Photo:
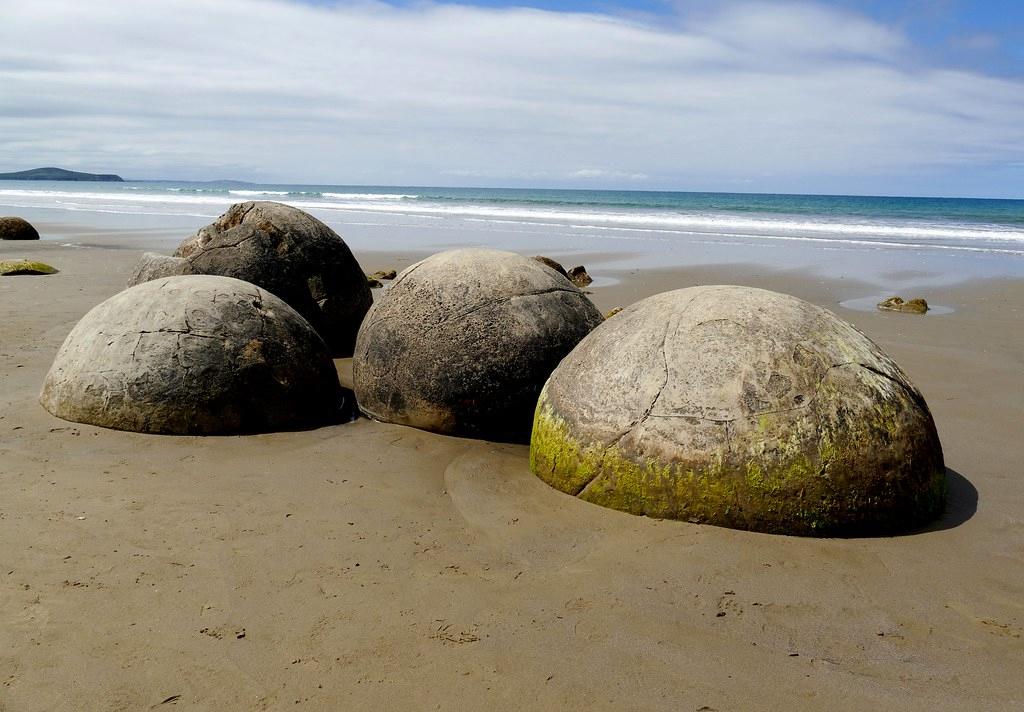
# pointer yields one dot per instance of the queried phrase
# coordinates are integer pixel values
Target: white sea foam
(625, 224)
(249, 193)
(369, 196)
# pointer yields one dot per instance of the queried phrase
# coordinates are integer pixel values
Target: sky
(903, 97)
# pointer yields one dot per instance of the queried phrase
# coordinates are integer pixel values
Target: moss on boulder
(912, 306)
(742, 408)
(15, 267)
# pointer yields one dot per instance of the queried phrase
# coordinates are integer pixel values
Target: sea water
(950, 238)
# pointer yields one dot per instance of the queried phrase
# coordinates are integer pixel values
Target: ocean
(950, 237)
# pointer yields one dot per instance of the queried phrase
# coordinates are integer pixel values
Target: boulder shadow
(961, 504)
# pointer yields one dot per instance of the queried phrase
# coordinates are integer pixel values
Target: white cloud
(602, 174)
(369, 93)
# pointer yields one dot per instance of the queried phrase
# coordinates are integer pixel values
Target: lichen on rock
(896, 304)
(16, 267)
(741, 408)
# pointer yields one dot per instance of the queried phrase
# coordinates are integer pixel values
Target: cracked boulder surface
(194, 355)
(742, 408)
(462, 342)
(284, 250)
(15, 228)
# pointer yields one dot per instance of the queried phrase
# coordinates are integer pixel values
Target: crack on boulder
(205, 249)
(672, 325)
(183, 332)
(258, 304)
(712, 321)
(138, 343)
(916, 397)
(401, 278)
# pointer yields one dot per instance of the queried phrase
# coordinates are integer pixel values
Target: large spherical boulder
(462, 342)
(13, 228)
(193, 355)
(743, 408)
(287, 252)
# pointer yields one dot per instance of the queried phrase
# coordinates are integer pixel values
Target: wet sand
(371, 566)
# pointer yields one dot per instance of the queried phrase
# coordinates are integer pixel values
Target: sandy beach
(372, 566)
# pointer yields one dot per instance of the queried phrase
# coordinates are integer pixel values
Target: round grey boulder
(743, 408)
(193, 355)
(462, 342)
(287, 252)
(13, 228)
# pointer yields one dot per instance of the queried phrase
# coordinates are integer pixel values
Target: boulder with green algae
(463, 341)
(913, 306)
(194, 355)
(742, 408)
(284, 250)
(14, 267)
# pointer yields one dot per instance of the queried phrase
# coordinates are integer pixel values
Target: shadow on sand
(961, 503)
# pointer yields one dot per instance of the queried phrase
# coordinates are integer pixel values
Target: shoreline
(941, 241)
(367, 565)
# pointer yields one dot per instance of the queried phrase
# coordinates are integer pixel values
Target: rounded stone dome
(743, 408)
(193, 355)
(284, 250)
(462, 342)
(14, 228)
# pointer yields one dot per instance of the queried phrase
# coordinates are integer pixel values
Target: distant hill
(59, 174)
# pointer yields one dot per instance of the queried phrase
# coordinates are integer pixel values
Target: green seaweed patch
(788, 492)
(10, 268)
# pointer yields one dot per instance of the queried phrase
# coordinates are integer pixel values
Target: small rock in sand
(579, 277)
(914, 306)
(15, 267)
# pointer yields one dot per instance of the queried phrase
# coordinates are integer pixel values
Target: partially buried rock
(552, 264)
(153, 266)
(384, 274)
(462, 342)
(579, 277)
(742, 408)
(914, 306)
(287, 252)
(14, 228)
(193, 355)
(15, 267)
